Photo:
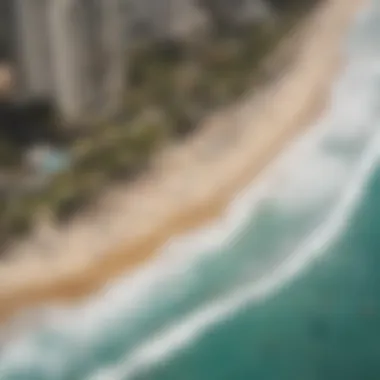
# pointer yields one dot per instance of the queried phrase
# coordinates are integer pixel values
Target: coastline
(179, 193)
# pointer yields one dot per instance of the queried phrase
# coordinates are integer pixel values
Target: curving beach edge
(190, 184)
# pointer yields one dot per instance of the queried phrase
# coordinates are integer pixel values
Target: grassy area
(170, 91)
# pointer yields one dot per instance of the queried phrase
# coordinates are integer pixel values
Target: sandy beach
(189, 184)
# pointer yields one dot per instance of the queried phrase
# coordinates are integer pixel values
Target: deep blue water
(284, 287)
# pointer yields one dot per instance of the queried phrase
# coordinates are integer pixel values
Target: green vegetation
(170, 90)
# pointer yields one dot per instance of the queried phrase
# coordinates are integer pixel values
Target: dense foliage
(171, 88)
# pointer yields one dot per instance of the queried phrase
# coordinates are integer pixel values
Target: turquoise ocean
(284, 286)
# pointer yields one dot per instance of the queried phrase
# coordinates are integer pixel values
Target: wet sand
(190, 183)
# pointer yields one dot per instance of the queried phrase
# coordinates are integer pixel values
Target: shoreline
(152, 205)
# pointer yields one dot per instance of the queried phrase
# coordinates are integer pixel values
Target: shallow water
(284, 286)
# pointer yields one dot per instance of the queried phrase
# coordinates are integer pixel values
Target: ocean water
(284, 286)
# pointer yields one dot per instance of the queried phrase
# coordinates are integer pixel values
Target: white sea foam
(170, 341)
(76, 328)
(358, 122)
(195, 244)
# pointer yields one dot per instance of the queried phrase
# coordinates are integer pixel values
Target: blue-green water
(284, 286)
